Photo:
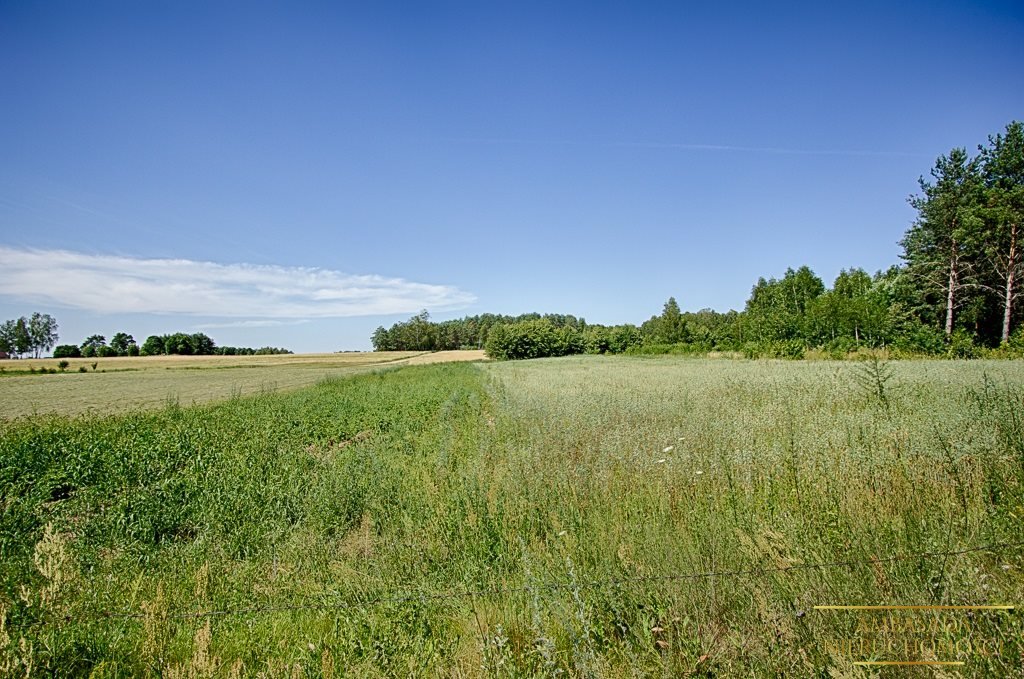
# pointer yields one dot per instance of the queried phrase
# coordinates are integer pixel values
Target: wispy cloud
(250, 323)
(118, 284)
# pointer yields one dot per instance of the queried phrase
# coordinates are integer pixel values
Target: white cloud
(265, 323)
(116, 284)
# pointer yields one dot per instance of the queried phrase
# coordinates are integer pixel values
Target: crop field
(121, 384)
(580, 517)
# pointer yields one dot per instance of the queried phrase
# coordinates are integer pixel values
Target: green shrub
(532, 339)
(922, 339)
(1016, 341)
(961, 345)
(790, 349)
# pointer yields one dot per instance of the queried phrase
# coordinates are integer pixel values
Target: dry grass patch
(122, 384)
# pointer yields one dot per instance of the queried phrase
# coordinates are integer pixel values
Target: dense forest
(957, 292)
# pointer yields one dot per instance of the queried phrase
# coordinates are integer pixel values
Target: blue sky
(296, 174)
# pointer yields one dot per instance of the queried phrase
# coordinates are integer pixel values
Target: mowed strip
(122, 384)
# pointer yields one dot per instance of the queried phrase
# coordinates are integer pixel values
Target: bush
(840, 347)
(532, 339)
(677, 349)
(1016, 342)
(922, 339)
(790, 349)
(961, 345)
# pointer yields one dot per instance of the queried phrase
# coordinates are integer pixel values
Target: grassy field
(588, 516)
(121, 384)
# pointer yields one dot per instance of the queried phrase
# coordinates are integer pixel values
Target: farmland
(583, 516)
(105, 385)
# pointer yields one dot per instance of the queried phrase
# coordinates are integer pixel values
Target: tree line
(956, 293)
(178, 343)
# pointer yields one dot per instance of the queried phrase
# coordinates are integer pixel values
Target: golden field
(122, 384)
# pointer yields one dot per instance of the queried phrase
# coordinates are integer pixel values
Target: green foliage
(668, 328)
(122, 344)
(961, 345)
(1016, 341)
(419, 333)
(153, 346)
(180, 343)
(35, 334)
(789, 349)
(527, 339)
(16, 339)
(92, 345)
(67, 351)
(776, 309)
(1001, 242)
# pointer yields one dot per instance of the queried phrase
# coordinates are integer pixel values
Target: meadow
(583, 517)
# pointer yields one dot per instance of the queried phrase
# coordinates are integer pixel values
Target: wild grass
(591, 516)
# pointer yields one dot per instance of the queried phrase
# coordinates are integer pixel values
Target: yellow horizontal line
(907, 662)
(914, 608)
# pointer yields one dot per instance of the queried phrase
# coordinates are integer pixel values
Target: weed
(873, 375)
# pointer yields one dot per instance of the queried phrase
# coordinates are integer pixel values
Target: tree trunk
(1011, 269)
(950, 293)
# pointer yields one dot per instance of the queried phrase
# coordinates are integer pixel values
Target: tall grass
(517, 520)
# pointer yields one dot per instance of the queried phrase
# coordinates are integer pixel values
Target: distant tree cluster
(95, 346)
(178, 343)
(28, 336)
(198, 344)
(249, 351)
(957, 294)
